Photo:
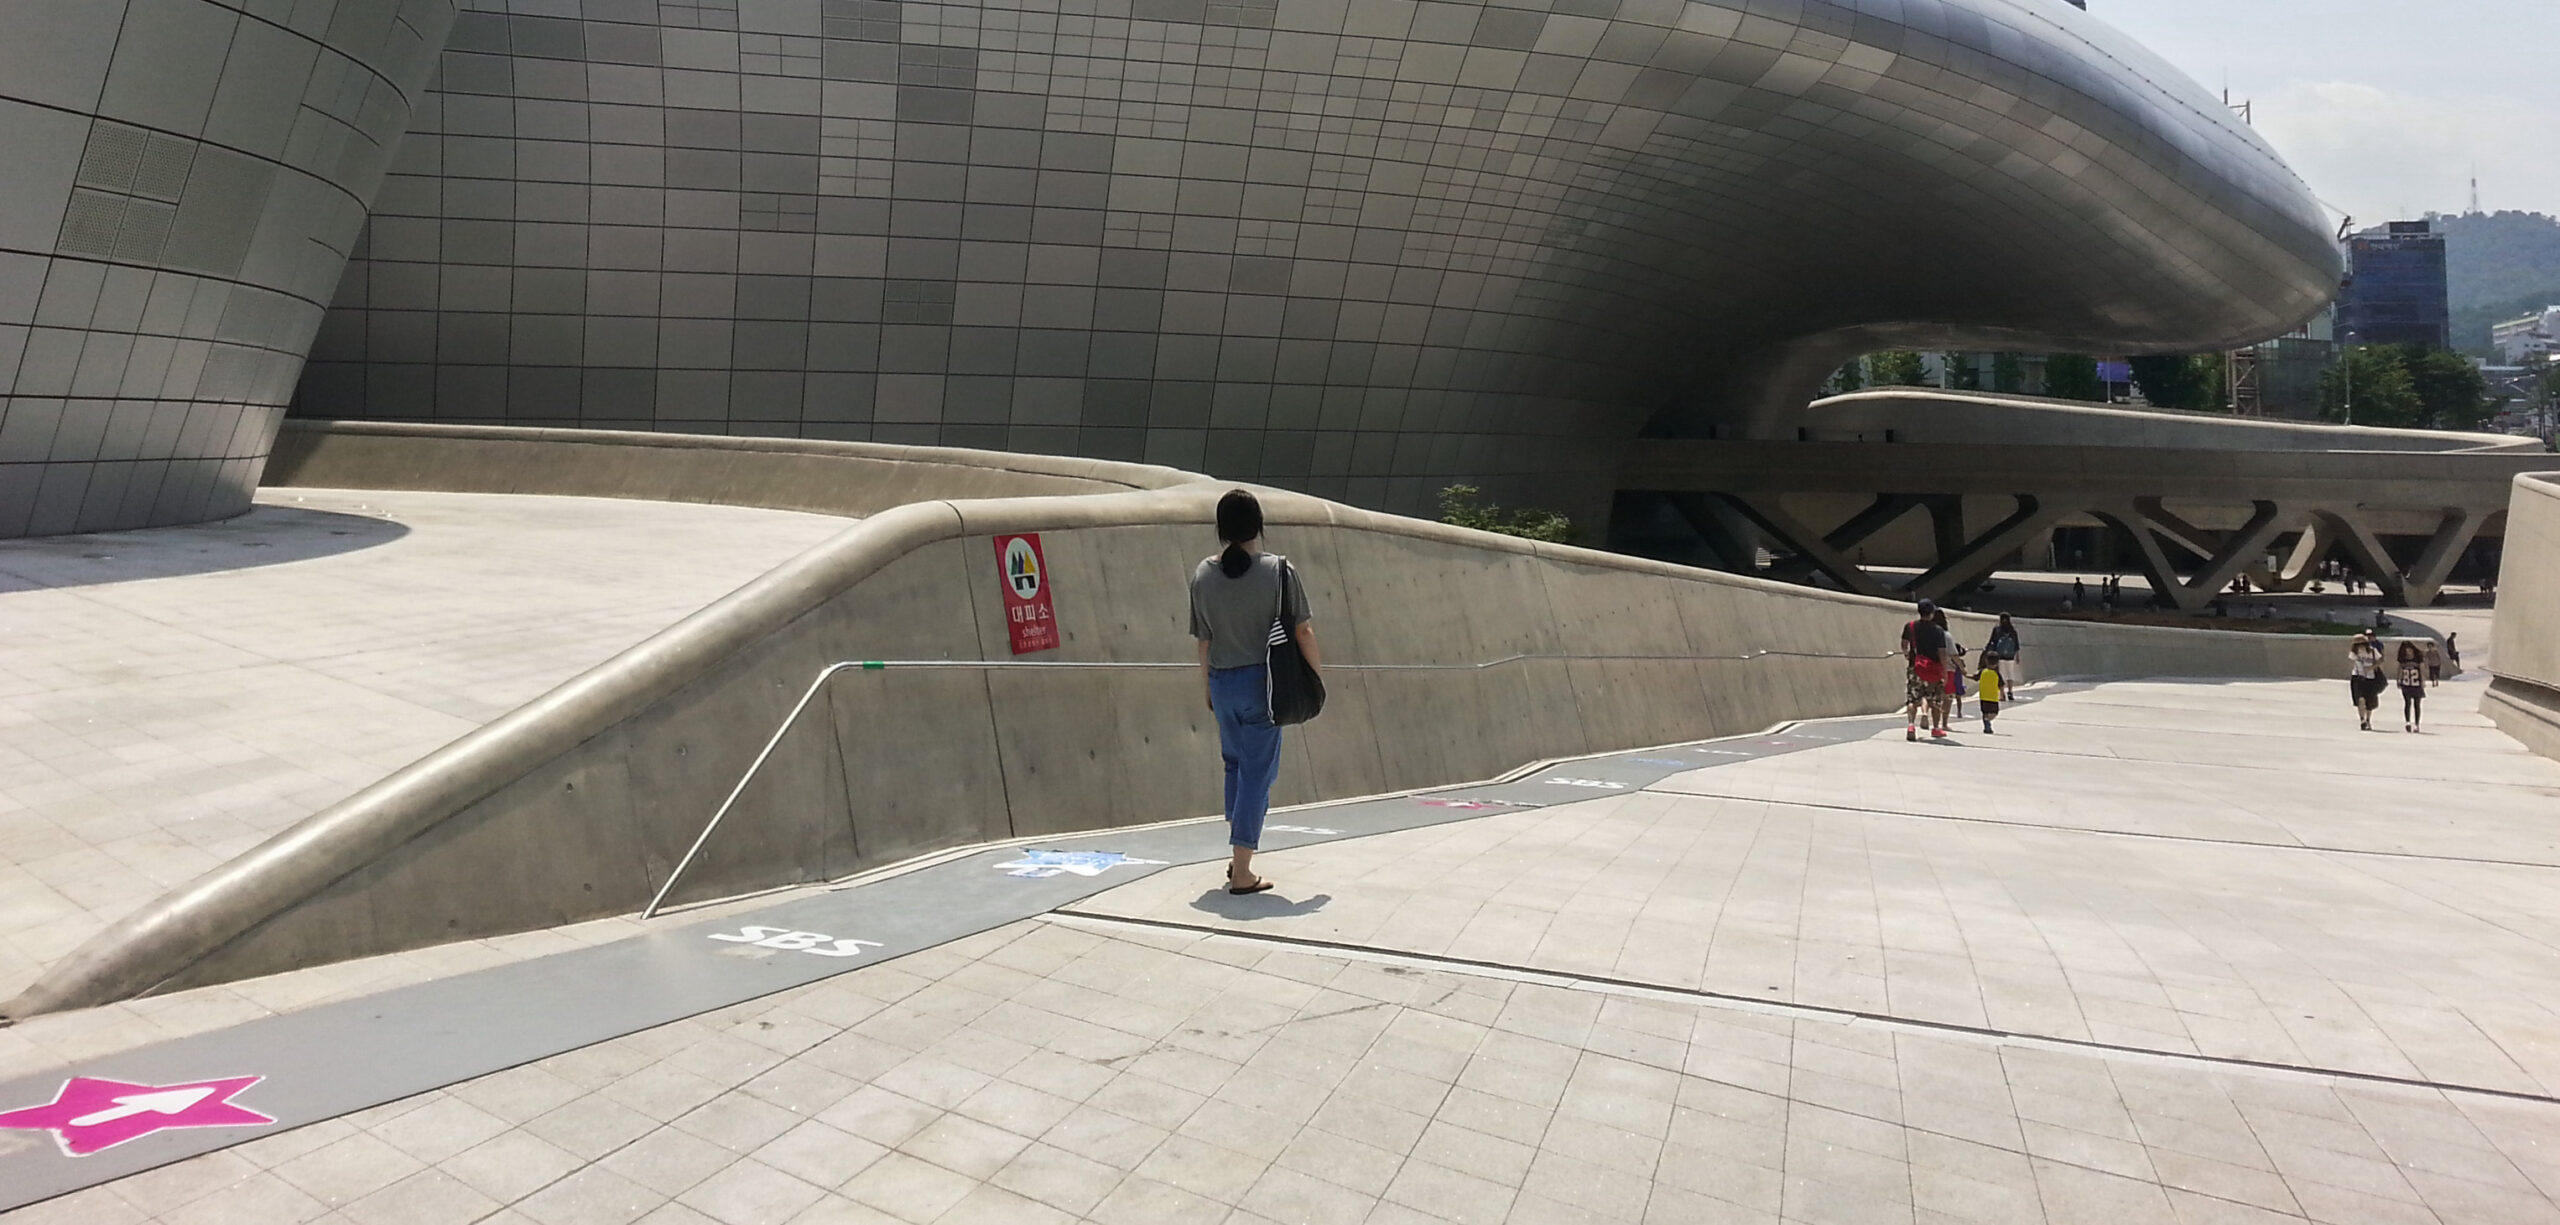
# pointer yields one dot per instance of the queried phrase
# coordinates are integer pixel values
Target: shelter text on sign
(1029, 621)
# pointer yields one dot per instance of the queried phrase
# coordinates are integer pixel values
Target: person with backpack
(1242, 599)
(1924, 656)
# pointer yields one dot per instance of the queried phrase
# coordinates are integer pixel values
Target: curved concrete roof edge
(2438, 440)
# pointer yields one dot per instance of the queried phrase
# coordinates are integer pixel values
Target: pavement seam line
(1697, 995)
(2104, 833)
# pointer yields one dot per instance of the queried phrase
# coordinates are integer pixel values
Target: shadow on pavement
(1251, 906)
(265, 536)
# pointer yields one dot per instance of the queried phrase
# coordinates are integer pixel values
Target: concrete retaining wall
(2524, 700)
(579, 804)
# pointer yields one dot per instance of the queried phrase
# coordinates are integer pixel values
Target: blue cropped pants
(1250, 743)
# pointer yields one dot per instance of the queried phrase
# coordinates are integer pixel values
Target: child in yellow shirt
(1989, 692)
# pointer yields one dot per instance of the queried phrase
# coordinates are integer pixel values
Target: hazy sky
(2385, 106)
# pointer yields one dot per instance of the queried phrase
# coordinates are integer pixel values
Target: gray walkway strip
(343, 1057)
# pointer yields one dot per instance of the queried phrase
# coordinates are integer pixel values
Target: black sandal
(1259, 884)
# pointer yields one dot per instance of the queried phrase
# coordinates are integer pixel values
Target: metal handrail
(877, 665)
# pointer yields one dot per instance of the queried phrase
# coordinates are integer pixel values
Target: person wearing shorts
(2365, 682)
(1924, 652)
(1989, 692)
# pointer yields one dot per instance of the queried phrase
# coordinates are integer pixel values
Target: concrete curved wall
(578, 804)
(2524, 699)
(184, 180)
(1360, 250)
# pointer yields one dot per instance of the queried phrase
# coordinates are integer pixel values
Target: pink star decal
(90, 1114)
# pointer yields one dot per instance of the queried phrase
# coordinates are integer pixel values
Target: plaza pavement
(2158, 952)
(170, 698)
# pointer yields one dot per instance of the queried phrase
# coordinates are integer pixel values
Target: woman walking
(2413, 684)
(1236, 596)
(2364, 676)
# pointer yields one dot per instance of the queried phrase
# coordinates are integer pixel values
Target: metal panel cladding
(1363, 249)
(184, 179)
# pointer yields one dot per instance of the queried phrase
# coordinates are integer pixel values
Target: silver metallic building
(1360, 248)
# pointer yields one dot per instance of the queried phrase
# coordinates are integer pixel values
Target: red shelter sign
(1027, 615)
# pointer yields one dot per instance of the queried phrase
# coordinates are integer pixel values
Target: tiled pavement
(170, 698)
(1117, 1070)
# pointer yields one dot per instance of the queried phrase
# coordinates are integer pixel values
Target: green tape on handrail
(874, 665)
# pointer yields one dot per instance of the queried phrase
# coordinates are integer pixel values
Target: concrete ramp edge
(1455, 655)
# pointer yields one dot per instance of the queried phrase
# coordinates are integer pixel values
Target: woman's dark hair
(1239, 520)
(2409, 650)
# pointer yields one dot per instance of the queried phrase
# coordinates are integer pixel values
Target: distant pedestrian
(2435, 662)
(1236, 596)
(2413, 684)
(2364, 676)
(2453, 650)
(1988, 692)
(1924, 659)
(2079, 594)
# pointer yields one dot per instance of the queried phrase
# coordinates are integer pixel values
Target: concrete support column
(2453, 534)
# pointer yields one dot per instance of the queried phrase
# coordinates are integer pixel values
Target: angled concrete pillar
(1786, 529)
(2453, 534)
(2225, 554)
(1715, 524)
(2357, 540)
(1982, 555)
(2302, 564)
(2166, 588)
(1852, 532)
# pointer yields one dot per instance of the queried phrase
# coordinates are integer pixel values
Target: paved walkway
(170, 698)
(2159, 952)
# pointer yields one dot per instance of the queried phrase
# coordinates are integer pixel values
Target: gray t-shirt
(1233, 615)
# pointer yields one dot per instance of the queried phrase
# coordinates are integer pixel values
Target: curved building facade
(1363, 249)
(184, 180)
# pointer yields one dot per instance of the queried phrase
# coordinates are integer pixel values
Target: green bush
(1462, 506)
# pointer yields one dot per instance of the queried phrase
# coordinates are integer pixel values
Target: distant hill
(2497, 266)
(2496, 258)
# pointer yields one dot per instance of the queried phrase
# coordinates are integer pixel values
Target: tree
(1962, 374)
(2073, 376)
(1459, 505)
(1898, 368)
(1849, 378)
(2452, 393)
(2177, 381)
(2008, 374)
(2408, 387)
(2383, 394)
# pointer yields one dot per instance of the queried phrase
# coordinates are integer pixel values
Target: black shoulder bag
(1297, 693)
